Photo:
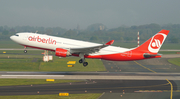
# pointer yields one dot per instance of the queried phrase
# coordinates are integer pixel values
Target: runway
(92, 75)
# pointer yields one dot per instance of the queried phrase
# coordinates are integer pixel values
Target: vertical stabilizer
(153, 45)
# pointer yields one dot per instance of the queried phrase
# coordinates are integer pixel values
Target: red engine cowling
(62, 52)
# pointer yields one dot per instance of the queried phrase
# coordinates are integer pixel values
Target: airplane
(64, 47)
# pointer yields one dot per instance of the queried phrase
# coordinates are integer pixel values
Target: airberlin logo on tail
(43, 40)
(156, 42)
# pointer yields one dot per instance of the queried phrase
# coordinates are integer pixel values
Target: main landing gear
(82, 60)
(25, 51)
(84, 63)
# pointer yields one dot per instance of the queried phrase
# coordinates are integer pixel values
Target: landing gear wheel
(25, 51)
(85, 64)
(80, 61)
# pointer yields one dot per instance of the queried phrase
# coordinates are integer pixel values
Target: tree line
(99, 32)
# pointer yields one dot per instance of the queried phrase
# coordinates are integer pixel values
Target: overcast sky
(68, 13)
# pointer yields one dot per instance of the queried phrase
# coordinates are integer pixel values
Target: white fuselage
(43, 41)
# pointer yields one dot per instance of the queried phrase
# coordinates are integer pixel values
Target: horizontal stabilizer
(151, 55)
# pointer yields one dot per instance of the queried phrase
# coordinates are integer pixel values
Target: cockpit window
(16, 35)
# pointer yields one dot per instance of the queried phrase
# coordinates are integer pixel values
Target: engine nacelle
(62, 52)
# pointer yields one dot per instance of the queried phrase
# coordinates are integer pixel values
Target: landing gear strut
(25, 51)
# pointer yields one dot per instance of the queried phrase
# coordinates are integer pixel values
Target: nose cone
(12, 37)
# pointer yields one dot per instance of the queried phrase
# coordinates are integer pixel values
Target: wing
(88, 50)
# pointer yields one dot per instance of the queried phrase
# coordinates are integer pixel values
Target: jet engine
(62, 52)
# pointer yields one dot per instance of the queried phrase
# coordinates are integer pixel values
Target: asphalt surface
(111, 89)
(91, 86)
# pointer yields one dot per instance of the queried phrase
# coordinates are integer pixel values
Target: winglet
(110, 42)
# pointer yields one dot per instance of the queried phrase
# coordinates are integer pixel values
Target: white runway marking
(8, 77)
(21, 72)
(34, 75)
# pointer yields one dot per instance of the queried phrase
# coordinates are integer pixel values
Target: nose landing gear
(25, 51)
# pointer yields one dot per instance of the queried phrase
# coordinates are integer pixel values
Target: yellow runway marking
(145, 67)
(49, 79)
(156, 72)
(171, 89)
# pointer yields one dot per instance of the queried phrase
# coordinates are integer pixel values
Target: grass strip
(175, 61)
(13, 82)
(61, 65)
(58, 64)
(54, 96)
(168, 52)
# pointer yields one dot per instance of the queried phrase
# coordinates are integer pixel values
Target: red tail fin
(154, 43)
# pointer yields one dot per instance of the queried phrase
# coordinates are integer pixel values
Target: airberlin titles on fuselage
(43, 40)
